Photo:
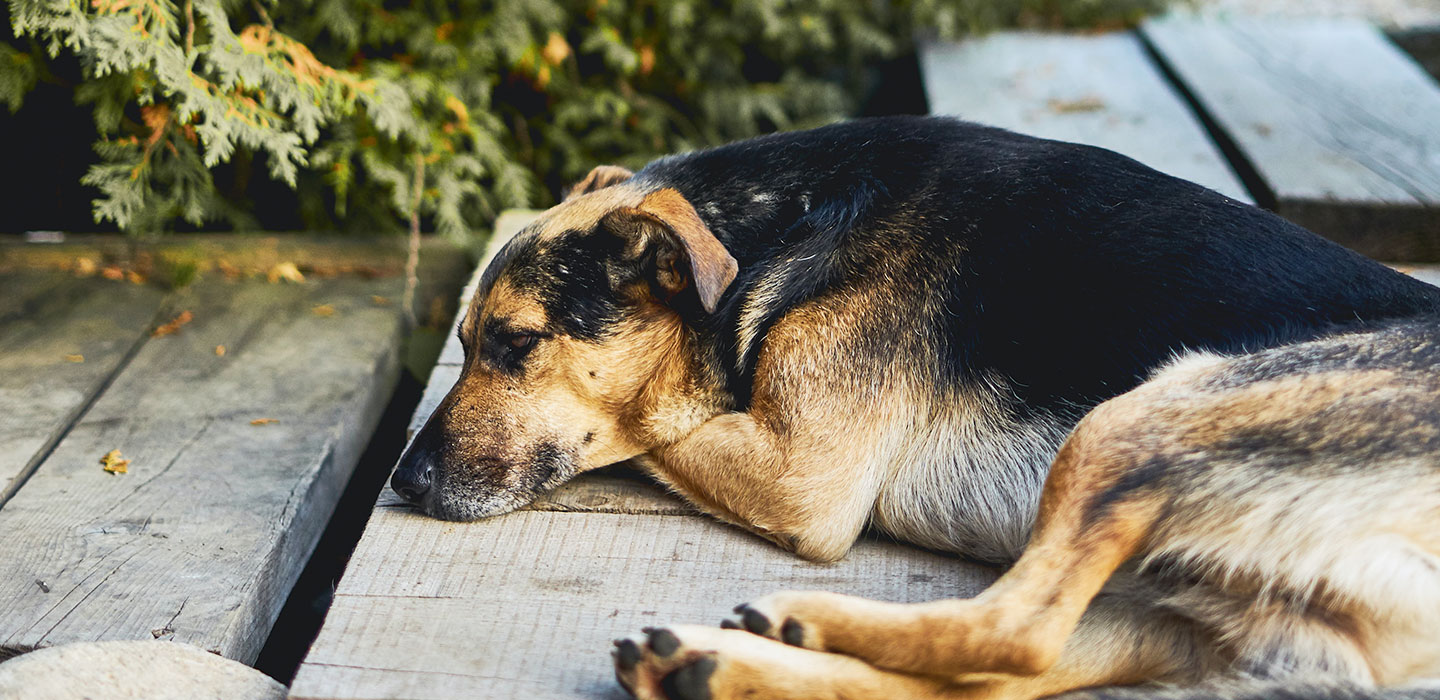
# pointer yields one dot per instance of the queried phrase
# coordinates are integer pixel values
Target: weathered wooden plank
(61, 340)
(202, 539)
(1342, 128)
(1424, 273)
(1101, 90)
(525, 605)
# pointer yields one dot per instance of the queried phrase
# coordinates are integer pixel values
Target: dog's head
(577, 329)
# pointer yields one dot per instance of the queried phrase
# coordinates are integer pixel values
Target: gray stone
(121, 670)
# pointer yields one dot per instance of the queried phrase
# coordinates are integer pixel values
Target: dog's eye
(521, 341)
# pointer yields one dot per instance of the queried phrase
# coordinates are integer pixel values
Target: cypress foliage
(496, 104)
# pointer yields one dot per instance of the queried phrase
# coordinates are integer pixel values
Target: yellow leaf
(115, 464)
(219, 350)
(173, 326)
(323, 310)
(264, 421)
(379, 300)
(75, 358)
(285, 271)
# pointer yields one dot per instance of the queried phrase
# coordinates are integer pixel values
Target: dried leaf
(284, 271)
(323, 310)
(84, 267)
(219, 350)
(77, 357)
(1083, 104)
(379, 300)
(264, 421)
(115, 464)
(113, 273)
(134, 277)
(173, 326)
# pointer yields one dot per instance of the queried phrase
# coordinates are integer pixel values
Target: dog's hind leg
(1091, 521)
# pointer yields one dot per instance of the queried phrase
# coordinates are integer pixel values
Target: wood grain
(525, 605)
(202, 539)
(61, 340)
(1340, 126)
(1101, 90)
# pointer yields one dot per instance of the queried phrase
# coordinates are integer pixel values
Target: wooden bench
(1100, 90)
(1326, 122)
(202, 538)
(1340, 128)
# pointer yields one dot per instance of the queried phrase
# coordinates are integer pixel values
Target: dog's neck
(683, 389)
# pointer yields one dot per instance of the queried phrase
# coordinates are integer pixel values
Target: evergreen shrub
(484, 105)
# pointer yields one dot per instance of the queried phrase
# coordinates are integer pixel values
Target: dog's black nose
(412, 480)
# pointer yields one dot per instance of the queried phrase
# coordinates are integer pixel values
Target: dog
(1205, 441)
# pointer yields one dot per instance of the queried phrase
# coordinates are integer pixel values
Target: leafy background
(366, 112)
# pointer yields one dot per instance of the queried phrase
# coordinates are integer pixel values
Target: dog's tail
(1258, 690)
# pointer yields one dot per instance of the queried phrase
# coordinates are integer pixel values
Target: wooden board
(1340, 126)
(201, 541)
(525, 605)
(61, 340)
(1101, 90)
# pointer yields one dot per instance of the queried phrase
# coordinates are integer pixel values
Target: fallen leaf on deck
(75, 358)
(84, 267)
(284, 271)
(115, 464)
(113, 273)
(1083, 104)
(323, 310)
(379, 300)
(173, 326)
(264, 421)
(134, 277)
(219, 350)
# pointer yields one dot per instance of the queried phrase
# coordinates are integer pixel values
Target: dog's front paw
(797, 618)
(657, 665)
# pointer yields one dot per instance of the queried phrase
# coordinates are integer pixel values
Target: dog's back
(1002, 272)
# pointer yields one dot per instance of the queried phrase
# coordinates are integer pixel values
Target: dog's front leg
(803, 489)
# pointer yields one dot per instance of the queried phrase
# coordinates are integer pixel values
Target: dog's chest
(969, 486)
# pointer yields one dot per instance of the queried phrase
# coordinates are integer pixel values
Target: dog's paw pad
(691, 681)
(792, 632)
(627, 654)
(669, 663)
(662, 642)
(786, 617)
(753, 620)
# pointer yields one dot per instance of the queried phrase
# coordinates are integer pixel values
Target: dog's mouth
(503, 491)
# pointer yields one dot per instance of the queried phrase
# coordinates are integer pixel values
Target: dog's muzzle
(414, 476)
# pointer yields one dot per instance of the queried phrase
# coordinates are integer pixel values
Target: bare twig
(412, 259)
(189, 28)
(264, 16)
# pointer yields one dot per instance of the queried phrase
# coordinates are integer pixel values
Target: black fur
(1066, 271)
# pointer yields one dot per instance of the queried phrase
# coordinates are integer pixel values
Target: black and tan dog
(1208, 440)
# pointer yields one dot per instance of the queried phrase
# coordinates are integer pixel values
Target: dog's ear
(676, 247)
(601, 177)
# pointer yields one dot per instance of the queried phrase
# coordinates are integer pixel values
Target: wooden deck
(1327, 123)
(237, 459)
(202, 537)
